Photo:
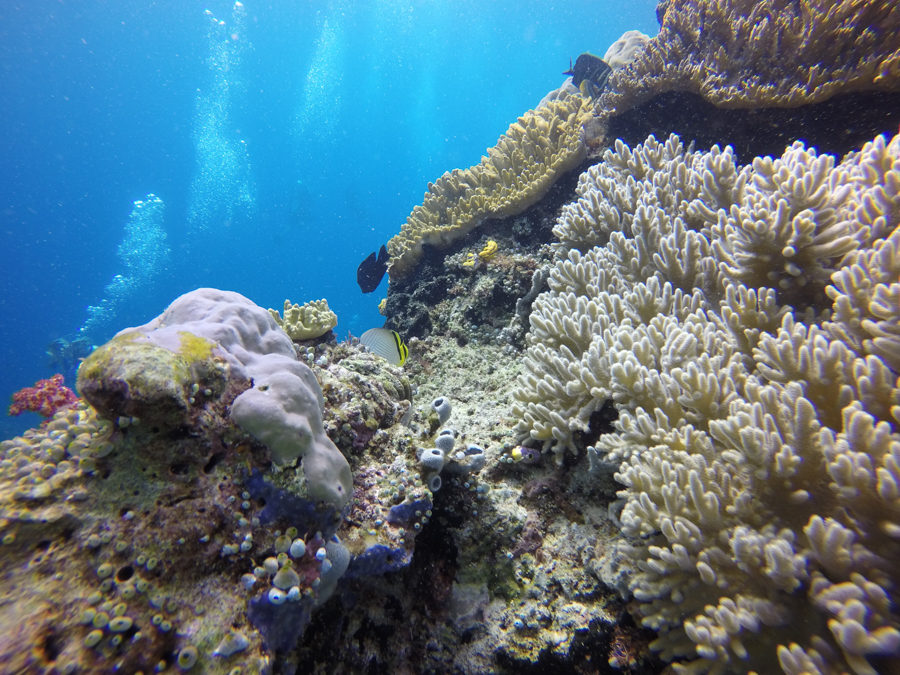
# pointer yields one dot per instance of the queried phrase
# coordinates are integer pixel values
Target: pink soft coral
(45, 397)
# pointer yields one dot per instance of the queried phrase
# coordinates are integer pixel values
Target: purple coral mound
(284, 407)
(244, 331)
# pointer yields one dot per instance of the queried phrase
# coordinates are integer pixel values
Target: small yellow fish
(525, 455)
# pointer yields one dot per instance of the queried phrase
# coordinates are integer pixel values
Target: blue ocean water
(285, 141)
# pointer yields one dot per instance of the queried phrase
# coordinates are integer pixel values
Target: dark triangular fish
(371, 270)
(591, 68)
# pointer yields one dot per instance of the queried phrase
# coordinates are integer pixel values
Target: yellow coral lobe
(470, 260)
(489, 251)
(382, 307)
(194, 348)
(305, 322)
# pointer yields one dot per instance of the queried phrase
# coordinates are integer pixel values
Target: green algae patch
(195, 349)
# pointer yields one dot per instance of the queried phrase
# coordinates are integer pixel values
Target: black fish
(591, 68)
(371, 270)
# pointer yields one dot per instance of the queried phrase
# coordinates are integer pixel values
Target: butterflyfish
(387, 344)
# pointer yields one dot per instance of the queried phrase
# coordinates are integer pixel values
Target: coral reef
(363, 394)
(683, 228)
(162, 535)
(751, 425)
(534, 152)
(474, 599)
(711, 370)
(305, 322)
(469, 302)
(111, 550)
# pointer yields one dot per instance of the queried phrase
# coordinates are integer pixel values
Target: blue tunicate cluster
(469, 461)
(435, 483)
(377, 560)
(405, 513)
(445, 441)
(143, 254)
(280, 504)
(442, 458)
(432, 458)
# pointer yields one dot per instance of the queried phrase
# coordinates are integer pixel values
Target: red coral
(45, 397)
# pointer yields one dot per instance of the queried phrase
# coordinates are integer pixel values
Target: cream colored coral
(865, 292)
(534, 152)
(624, 50)
(616, 304)
(756, 440)
(750, 53)
(790, 228)
(304, 322)
(669, 220)
(745, 552)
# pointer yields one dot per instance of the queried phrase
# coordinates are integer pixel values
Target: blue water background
(302, 134)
